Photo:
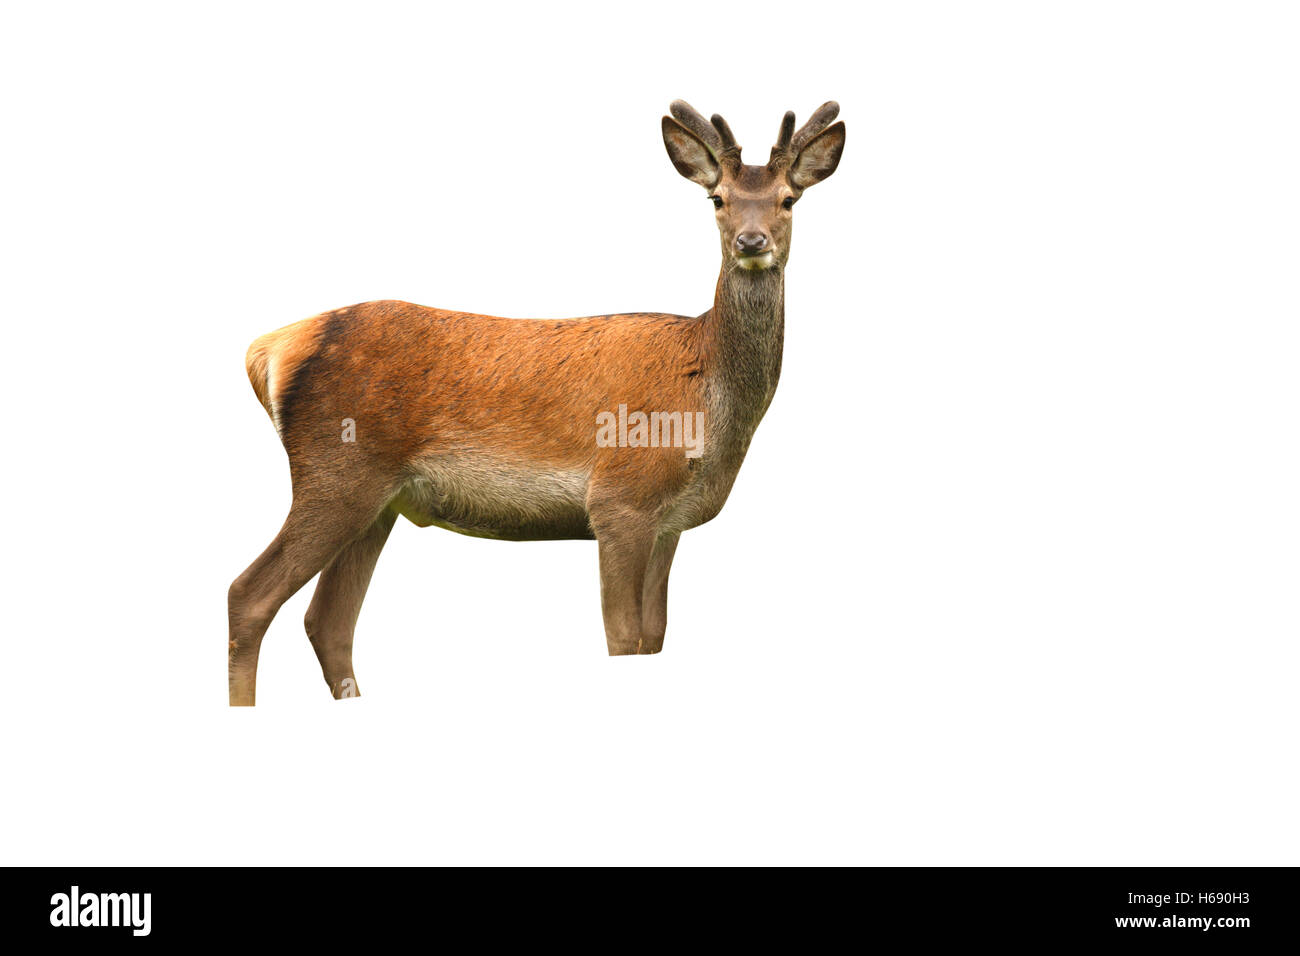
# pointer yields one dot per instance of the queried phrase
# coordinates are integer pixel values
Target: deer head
(753, 204)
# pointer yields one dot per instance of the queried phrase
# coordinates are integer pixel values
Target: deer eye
(717, 202)
(787, 202)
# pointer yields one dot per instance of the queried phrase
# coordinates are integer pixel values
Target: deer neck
(743, 338)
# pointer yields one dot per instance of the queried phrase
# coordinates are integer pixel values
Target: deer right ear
(692, 158)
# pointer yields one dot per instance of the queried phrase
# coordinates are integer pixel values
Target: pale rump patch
(270, 395)
(273, 358)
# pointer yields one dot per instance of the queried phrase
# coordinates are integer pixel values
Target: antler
(789, 143)
(716, 136)
(823, 117)
(728, 140)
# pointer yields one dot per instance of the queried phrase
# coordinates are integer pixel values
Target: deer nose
(749, 243)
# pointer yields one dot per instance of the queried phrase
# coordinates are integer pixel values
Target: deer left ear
(818, 159)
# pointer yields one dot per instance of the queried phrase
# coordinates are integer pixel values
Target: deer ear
(691, 157)
(818, 159)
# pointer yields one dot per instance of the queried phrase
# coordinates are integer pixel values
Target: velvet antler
(716, 135)
(789, 143)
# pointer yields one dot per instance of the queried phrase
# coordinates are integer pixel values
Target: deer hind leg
(332, 616)
(654, 594)
(317, 528)
(625, 549)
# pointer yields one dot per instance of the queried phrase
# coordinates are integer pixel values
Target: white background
(1009, 575)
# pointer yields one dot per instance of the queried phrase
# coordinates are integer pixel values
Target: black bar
(1226, 908)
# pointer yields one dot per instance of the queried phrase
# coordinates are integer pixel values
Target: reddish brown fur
(416, 378)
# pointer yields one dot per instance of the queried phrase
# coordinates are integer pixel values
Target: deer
(493, 427)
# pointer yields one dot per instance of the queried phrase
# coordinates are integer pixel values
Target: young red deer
(506, 428)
